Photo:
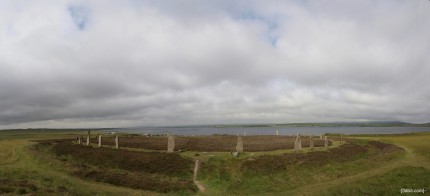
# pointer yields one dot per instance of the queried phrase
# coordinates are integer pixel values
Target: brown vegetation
(216, 143)
(150, 162)
(155, 171)
(384, 147)
(16, 186)
(138, 180)
(346, 152)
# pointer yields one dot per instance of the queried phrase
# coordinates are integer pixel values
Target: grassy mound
(155, 171)
(273, 163)
(275, 174)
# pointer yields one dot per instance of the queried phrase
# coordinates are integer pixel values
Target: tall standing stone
(277, 132)
(117, 141)
(79, 140)
(298, 143)
(239, 146)
(196, 169)
(100, 140)
(311, 142)
(244, 133)
(321, 136)
(325, 141)
(340, 138)
(170, 143)
(88, 138)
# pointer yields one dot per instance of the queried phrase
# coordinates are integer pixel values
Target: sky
(81, 64)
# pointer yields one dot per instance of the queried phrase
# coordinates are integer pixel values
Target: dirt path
(410, 159)
(200, 186)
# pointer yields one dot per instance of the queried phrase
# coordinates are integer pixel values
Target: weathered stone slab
(100, 140)
(235, 154)
(170, 143)
(321, 136)
(239, 146)
(325, 142)
(298, 143)
(311, 141)
(88, 138)
(79, 140)
(277, 132)
(117, 141)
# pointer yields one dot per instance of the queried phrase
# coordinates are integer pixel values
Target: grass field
(362, 169)
(412, 171)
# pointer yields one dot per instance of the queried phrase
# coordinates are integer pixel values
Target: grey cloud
(144, 62)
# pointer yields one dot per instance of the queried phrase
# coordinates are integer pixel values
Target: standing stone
(196, 169)
(88, 138)
(170, 143)
(340, 138)
(244, 133)
(239, 146)
(79, 140)
(277, 132)
(325, 141)
(311, 142)
(100, 140)
(117, 141)
(321, 136)
(298, 143)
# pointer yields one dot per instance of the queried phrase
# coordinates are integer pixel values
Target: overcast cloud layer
(132, 63)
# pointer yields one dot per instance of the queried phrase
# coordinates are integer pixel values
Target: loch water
(205, 130)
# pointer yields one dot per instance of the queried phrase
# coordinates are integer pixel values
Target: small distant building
(112, 133)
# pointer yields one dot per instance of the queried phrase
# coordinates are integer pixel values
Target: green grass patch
(388, 184)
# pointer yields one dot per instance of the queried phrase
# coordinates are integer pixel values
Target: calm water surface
(272, 130)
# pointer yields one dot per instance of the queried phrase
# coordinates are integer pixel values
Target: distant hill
(333, 124)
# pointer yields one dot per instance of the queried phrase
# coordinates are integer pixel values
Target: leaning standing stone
(298, 143)
(170, 143)
(239, 146)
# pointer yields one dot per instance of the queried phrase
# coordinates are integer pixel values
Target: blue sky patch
(270, 23)
(80, 15)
